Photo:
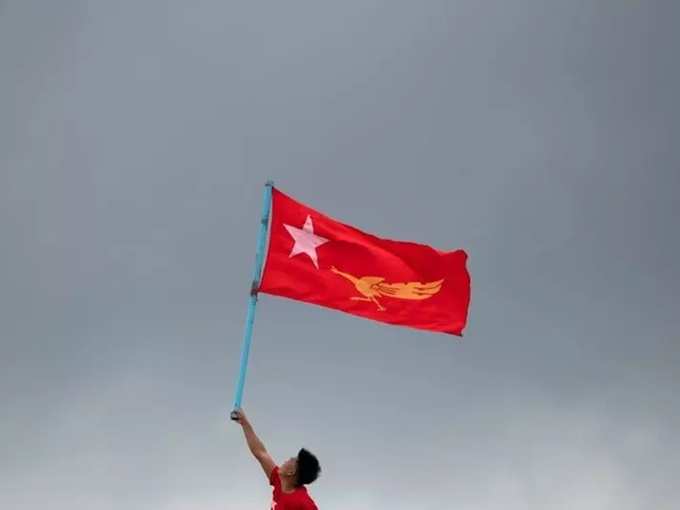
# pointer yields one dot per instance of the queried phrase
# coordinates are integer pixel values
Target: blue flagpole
(250, 317)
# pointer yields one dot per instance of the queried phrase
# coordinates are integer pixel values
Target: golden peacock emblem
(374, 287)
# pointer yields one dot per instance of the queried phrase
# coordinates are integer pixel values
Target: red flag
(316, 259)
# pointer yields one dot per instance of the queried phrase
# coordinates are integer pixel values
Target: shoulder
(274, 478)
(306, 500)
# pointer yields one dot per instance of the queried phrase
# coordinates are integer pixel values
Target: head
(304, 468)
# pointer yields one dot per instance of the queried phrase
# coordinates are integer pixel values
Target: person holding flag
(289, 479)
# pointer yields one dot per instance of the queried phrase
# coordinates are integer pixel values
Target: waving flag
(316, 259)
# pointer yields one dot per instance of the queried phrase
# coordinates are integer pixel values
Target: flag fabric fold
(316, 259)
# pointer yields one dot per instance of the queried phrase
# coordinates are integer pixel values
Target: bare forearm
(254, 443)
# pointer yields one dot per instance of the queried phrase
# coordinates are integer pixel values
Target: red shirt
(296, 500)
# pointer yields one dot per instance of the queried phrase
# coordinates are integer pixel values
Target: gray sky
(539, 136)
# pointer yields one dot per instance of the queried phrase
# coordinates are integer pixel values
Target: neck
(288, 484)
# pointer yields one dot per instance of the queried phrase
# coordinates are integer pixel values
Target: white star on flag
(305, 240)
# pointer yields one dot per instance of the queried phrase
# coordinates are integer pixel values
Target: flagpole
(250, 316)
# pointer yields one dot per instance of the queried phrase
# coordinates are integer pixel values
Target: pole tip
(269, 183)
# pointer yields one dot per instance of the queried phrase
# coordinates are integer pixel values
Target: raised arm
(255, 445)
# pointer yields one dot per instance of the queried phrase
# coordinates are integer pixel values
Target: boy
(290, 478)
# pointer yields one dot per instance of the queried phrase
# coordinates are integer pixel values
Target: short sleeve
(274, 479)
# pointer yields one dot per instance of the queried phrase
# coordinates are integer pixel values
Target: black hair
(308, 467)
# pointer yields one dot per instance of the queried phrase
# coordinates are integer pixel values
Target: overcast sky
(541, 137)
